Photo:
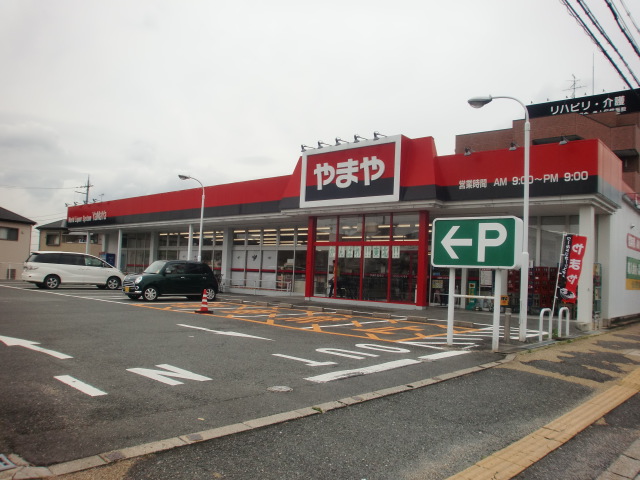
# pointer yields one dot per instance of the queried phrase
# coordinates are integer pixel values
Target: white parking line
(441, 355)
(382, 367)
(219, 332)
(78, 385)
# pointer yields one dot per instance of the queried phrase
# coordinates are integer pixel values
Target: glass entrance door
(404, 274)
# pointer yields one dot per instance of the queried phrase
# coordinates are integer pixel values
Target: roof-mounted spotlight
(357, 138)
(377, 135)
(339, 141)
(513, 146)
(322, 144)
(304, 148)
(564, 140)
(467, 151)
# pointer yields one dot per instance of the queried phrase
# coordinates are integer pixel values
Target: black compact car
(172, 277)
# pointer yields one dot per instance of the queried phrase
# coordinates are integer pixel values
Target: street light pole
(479, 102)
(187, 177)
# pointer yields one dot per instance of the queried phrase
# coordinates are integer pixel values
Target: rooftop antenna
(575, 84)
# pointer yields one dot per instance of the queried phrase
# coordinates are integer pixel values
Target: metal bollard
(507, 325)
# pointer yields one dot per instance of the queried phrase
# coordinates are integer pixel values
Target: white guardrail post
(542, 314)
(563, 312)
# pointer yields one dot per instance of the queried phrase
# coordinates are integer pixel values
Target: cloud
(29, 136)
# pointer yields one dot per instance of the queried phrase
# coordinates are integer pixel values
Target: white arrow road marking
(31, 345)
(448, 242)
(169, 371)
(78, 385)
(232, 334)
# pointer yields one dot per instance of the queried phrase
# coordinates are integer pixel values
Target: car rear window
(44, 258)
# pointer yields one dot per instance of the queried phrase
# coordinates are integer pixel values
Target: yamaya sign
(353, 173)
(477, 242)
(573, 248)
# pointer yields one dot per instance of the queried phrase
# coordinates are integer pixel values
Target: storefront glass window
(406, 227)
(172, 239)
(300, 271)
(551, 231)
(287, 236)
(254, 237)
(323, 271)
(286, 261)
(239, 237)
(326, 229)
(302, 236)
(207, 239)
(270, 237)
(218, 238)
(351, 228)
(377, 228)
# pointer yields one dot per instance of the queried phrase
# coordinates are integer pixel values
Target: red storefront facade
(361, 214)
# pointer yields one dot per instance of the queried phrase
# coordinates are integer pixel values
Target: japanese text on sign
(346, 173)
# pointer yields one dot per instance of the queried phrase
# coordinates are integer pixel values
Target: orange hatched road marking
(320, 322)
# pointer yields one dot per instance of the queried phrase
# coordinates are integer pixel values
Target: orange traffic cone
(204, 307)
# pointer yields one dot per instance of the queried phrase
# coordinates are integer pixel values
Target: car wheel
(113, 283)
(134, 297)
(52, 282)
(150, 294)
(211, 294)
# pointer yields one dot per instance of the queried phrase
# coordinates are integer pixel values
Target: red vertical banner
(573, 248)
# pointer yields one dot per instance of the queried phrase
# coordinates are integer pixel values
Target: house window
(53, 239)
(7, 233)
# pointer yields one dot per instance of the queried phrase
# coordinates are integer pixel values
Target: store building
(352, 223)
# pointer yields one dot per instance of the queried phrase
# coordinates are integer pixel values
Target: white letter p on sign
(484, 242)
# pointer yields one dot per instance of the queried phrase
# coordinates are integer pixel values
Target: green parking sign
(477, 242)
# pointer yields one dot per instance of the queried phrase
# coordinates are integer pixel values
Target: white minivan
(50, 269)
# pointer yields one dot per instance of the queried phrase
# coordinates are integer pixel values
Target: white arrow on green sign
(477, 242)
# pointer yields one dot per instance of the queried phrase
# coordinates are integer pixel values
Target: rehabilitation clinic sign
(354, 173)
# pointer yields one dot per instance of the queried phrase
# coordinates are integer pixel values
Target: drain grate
(280, 389)
(5, 463)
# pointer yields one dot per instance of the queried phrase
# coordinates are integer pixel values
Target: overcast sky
(132, 93)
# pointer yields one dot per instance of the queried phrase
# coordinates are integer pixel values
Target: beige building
(56, 236)
(15, 241)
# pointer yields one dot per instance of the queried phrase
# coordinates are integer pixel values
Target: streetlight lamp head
(479, 102)
(184, 177)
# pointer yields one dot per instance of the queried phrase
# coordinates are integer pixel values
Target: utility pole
(86, 202)
(86, 190)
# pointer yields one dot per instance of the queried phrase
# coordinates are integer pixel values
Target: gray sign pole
(451, 304)
(496, 310)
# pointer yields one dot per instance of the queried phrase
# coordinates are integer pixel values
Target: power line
(596, 24)
(629, 15)
(623, 26)
(584, 26)
(40, 188)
